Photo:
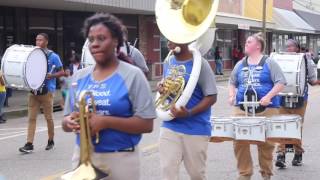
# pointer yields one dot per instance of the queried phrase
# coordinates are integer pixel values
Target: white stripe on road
(10, 133)
(23, 134)
(223, 87)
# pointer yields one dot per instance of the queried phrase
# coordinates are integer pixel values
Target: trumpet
(86, 170)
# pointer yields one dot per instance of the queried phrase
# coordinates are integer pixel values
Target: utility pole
(264, 14)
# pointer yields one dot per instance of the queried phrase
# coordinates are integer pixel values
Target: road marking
(10, 133)
(223, 87)
(25, 133)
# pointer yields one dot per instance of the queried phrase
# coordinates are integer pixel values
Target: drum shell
(222, 130)
(284, 129)
(15, 67)
(251, 130)
(293, 66)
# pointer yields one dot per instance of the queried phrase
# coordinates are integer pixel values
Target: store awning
(240, 21)
(310, 18)
(289, 21)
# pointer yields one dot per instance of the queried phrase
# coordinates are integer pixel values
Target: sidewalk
(18, 102)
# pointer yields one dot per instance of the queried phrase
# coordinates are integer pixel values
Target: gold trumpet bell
(183, 21)
(85, 171)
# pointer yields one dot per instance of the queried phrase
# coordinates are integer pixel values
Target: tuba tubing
(188, 90)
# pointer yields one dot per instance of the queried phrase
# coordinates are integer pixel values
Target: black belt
(131, 149)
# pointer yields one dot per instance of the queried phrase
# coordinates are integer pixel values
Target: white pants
(177, 147)
(121, 165)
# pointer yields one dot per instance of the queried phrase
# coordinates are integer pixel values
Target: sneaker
(27, 148)
(2, 121)
(297, 160)
(281, 160)
(50, 145)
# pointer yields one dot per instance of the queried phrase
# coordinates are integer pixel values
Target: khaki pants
(177, 147)
(119, 165)
(300, 111)
(265, 150)
(46, 101)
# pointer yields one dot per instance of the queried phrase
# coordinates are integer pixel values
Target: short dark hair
(45, 35)
(108, 20)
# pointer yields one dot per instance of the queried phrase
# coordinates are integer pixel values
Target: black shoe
(297, 160)
(281, 160)
(50, 145)
(221, 74)
(27, 148)
(2, 121)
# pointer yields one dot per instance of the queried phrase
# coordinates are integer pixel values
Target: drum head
(36, 68)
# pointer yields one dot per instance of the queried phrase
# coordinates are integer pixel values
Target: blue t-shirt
(125, 93)
(53, 59)
(198, 124)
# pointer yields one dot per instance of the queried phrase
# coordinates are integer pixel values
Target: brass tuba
(86, 170)
(184, 21)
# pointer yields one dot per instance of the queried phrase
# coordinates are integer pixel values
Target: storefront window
(225, 40)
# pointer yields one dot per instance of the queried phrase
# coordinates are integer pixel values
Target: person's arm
(132, 125)
(232, 94)
(278, 79)
(233, 81)
(208, 86)
(2, 80)
(266, 100)
(58, 67)
(312, 75)
(203, 105)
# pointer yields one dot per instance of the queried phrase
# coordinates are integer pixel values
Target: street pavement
(221, 163)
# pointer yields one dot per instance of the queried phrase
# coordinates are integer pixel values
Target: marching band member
(44, 96)
(268, 82)
(185, 138)
(125, 108)
(293, 46)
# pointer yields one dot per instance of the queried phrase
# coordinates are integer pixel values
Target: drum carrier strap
(245, 64)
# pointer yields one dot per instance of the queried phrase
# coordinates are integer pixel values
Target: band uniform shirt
(197, 124)
(263, 80)
(138, 59)
(53, 59)
(125, 93)
(311, 76)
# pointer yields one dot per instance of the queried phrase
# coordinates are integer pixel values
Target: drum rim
(293, 118)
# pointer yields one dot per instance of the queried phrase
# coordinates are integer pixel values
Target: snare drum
(284, 129)
(293, 66)
(24, 67)
(222, 129)
(86, 57)
(251, 130)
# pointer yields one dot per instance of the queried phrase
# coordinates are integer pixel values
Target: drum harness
(251, 103)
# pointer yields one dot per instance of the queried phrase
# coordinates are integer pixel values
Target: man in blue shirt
(43, 97)
(186, 137)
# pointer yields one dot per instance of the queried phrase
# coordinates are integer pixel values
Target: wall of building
(253, 9)
(283, 4)
(231, 6)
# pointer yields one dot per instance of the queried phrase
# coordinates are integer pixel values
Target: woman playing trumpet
(124, 105)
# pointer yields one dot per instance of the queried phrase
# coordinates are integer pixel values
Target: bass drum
(24, 67)
(86, 56)
(293, 66)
